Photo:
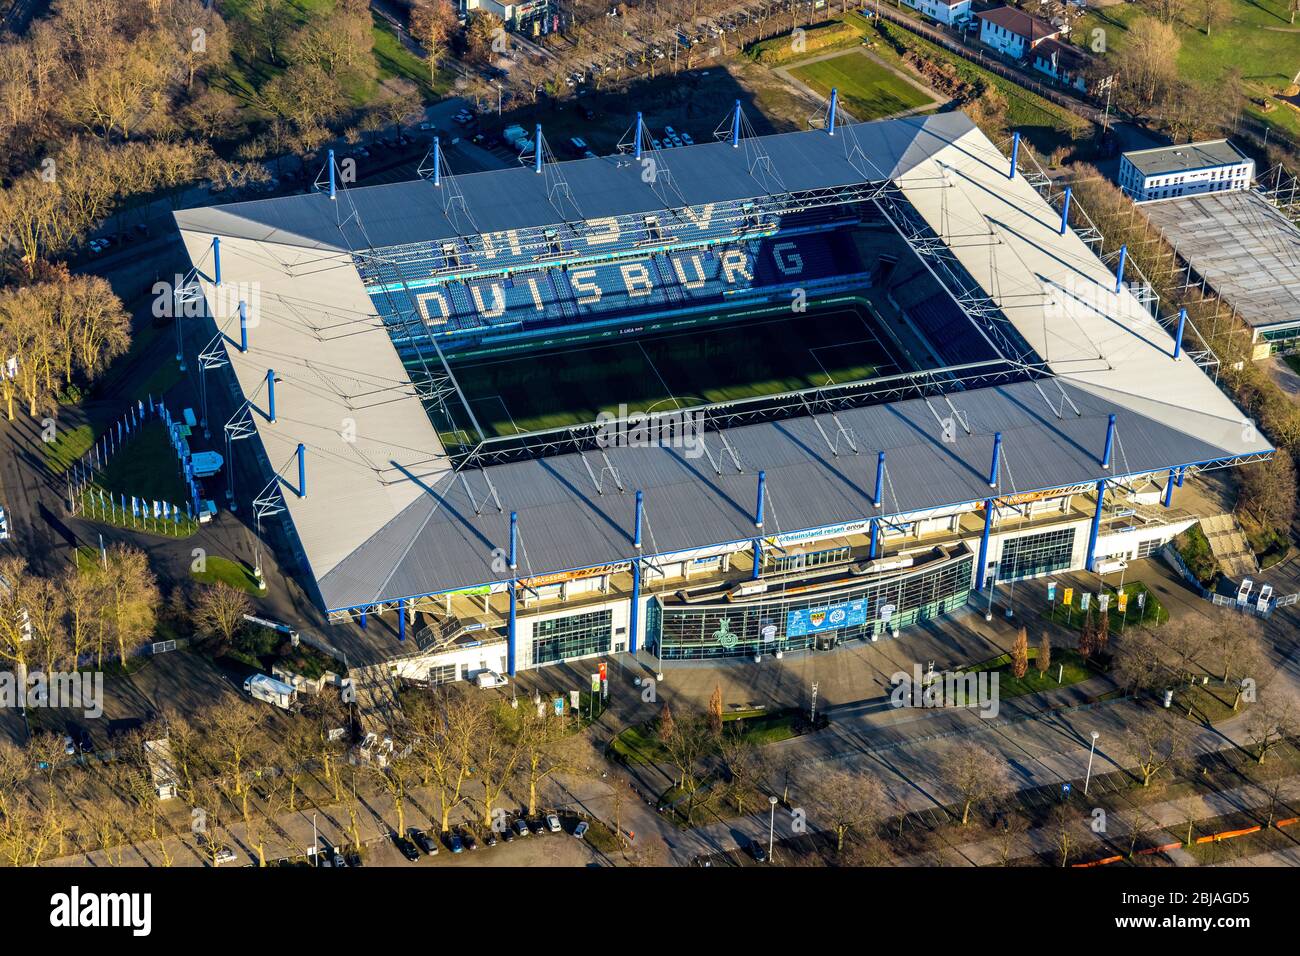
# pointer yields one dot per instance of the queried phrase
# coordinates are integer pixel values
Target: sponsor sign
(562, 576)
(813, 620)
(831, 531)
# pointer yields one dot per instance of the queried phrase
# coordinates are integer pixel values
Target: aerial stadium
(765, 395)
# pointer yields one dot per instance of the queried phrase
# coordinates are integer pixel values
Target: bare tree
(849, 802)
(219, 610)
(977, 773)
(1154, 741)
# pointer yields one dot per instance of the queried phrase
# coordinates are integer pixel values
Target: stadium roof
(386, 518)
(1181, 159)
(1243, 246)
(517, 198)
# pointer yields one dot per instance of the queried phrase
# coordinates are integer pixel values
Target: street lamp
(771, 827)
(1088, 779)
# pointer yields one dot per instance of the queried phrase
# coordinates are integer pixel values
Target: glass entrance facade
(699, 632)
(1034, 554)
(578, 635)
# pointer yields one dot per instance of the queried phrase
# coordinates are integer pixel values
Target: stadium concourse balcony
(613, 290)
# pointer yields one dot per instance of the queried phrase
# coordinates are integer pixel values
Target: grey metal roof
(399, 213)
(1185, 157)
(1245, 248)
(439, 542)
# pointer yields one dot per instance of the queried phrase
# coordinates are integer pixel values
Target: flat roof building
(1168, 172)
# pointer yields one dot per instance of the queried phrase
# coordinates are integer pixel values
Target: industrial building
(495, 408)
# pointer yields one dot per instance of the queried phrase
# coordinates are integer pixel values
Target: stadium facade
(1027, 409)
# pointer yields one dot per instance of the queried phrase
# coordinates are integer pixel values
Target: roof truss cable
(742, 135)
(835, 452)
(958, 415)
(847, 433)
(434, 168)
(860, 161)
(704, 446)
(735, 460)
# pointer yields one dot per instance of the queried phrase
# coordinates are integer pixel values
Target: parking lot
(536, 849)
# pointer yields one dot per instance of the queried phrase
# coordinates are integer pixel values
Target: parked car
(521, 827)
(490, 839)
(423, 841)
(353, 858)
(553, 823)
(686, 138)
(4, 525)
(537, 826)
(508, 835)
(455, 843)
(224, 855)
(406, 848)
(470, 842)
(757, 851)
(580, 831)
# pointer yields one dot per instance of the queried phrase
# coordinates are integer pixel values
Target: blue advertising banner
(812, 620)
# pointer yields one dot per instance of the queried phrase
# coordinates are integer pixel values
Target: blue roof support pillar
(1169, 487)
(830, 118)
(637, 142)
(1096, 525)
(437, 161)
(879, 496)
(982, 564)
(875, 538)
(1178, 336)
(216, 260)
(512, 626)
(1015, 155)
(362, 620)
(1110, 442)
(270, 386)
(997, 460)
(1065, 211)
(401, 619)
(758, 560)
(330, 161)
(1119, 275)
(758, 523)
(735, 126)
(243, 326)
(1182, 470)
(537, 149)
(636, 524)
(634, 617)
(302, 470)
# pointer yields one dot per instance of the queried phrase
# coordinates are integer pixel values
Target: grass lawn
(1044, 124)
(1257, 38)
(146, 466)
(868, 90)
(248, 72)
(231, 572)
(1072, 616)
(639, 745)
(566, 381)
(1065, 661)
(1207, 703)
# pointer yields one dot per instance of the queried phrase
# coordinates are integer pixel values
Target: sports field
(868, 90)
(570, 383)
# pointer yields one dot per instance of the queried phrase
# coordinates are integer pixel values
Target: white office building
(1168, 172)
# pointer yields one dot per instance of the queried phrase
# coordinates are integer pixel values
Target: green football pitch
(568, 383)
